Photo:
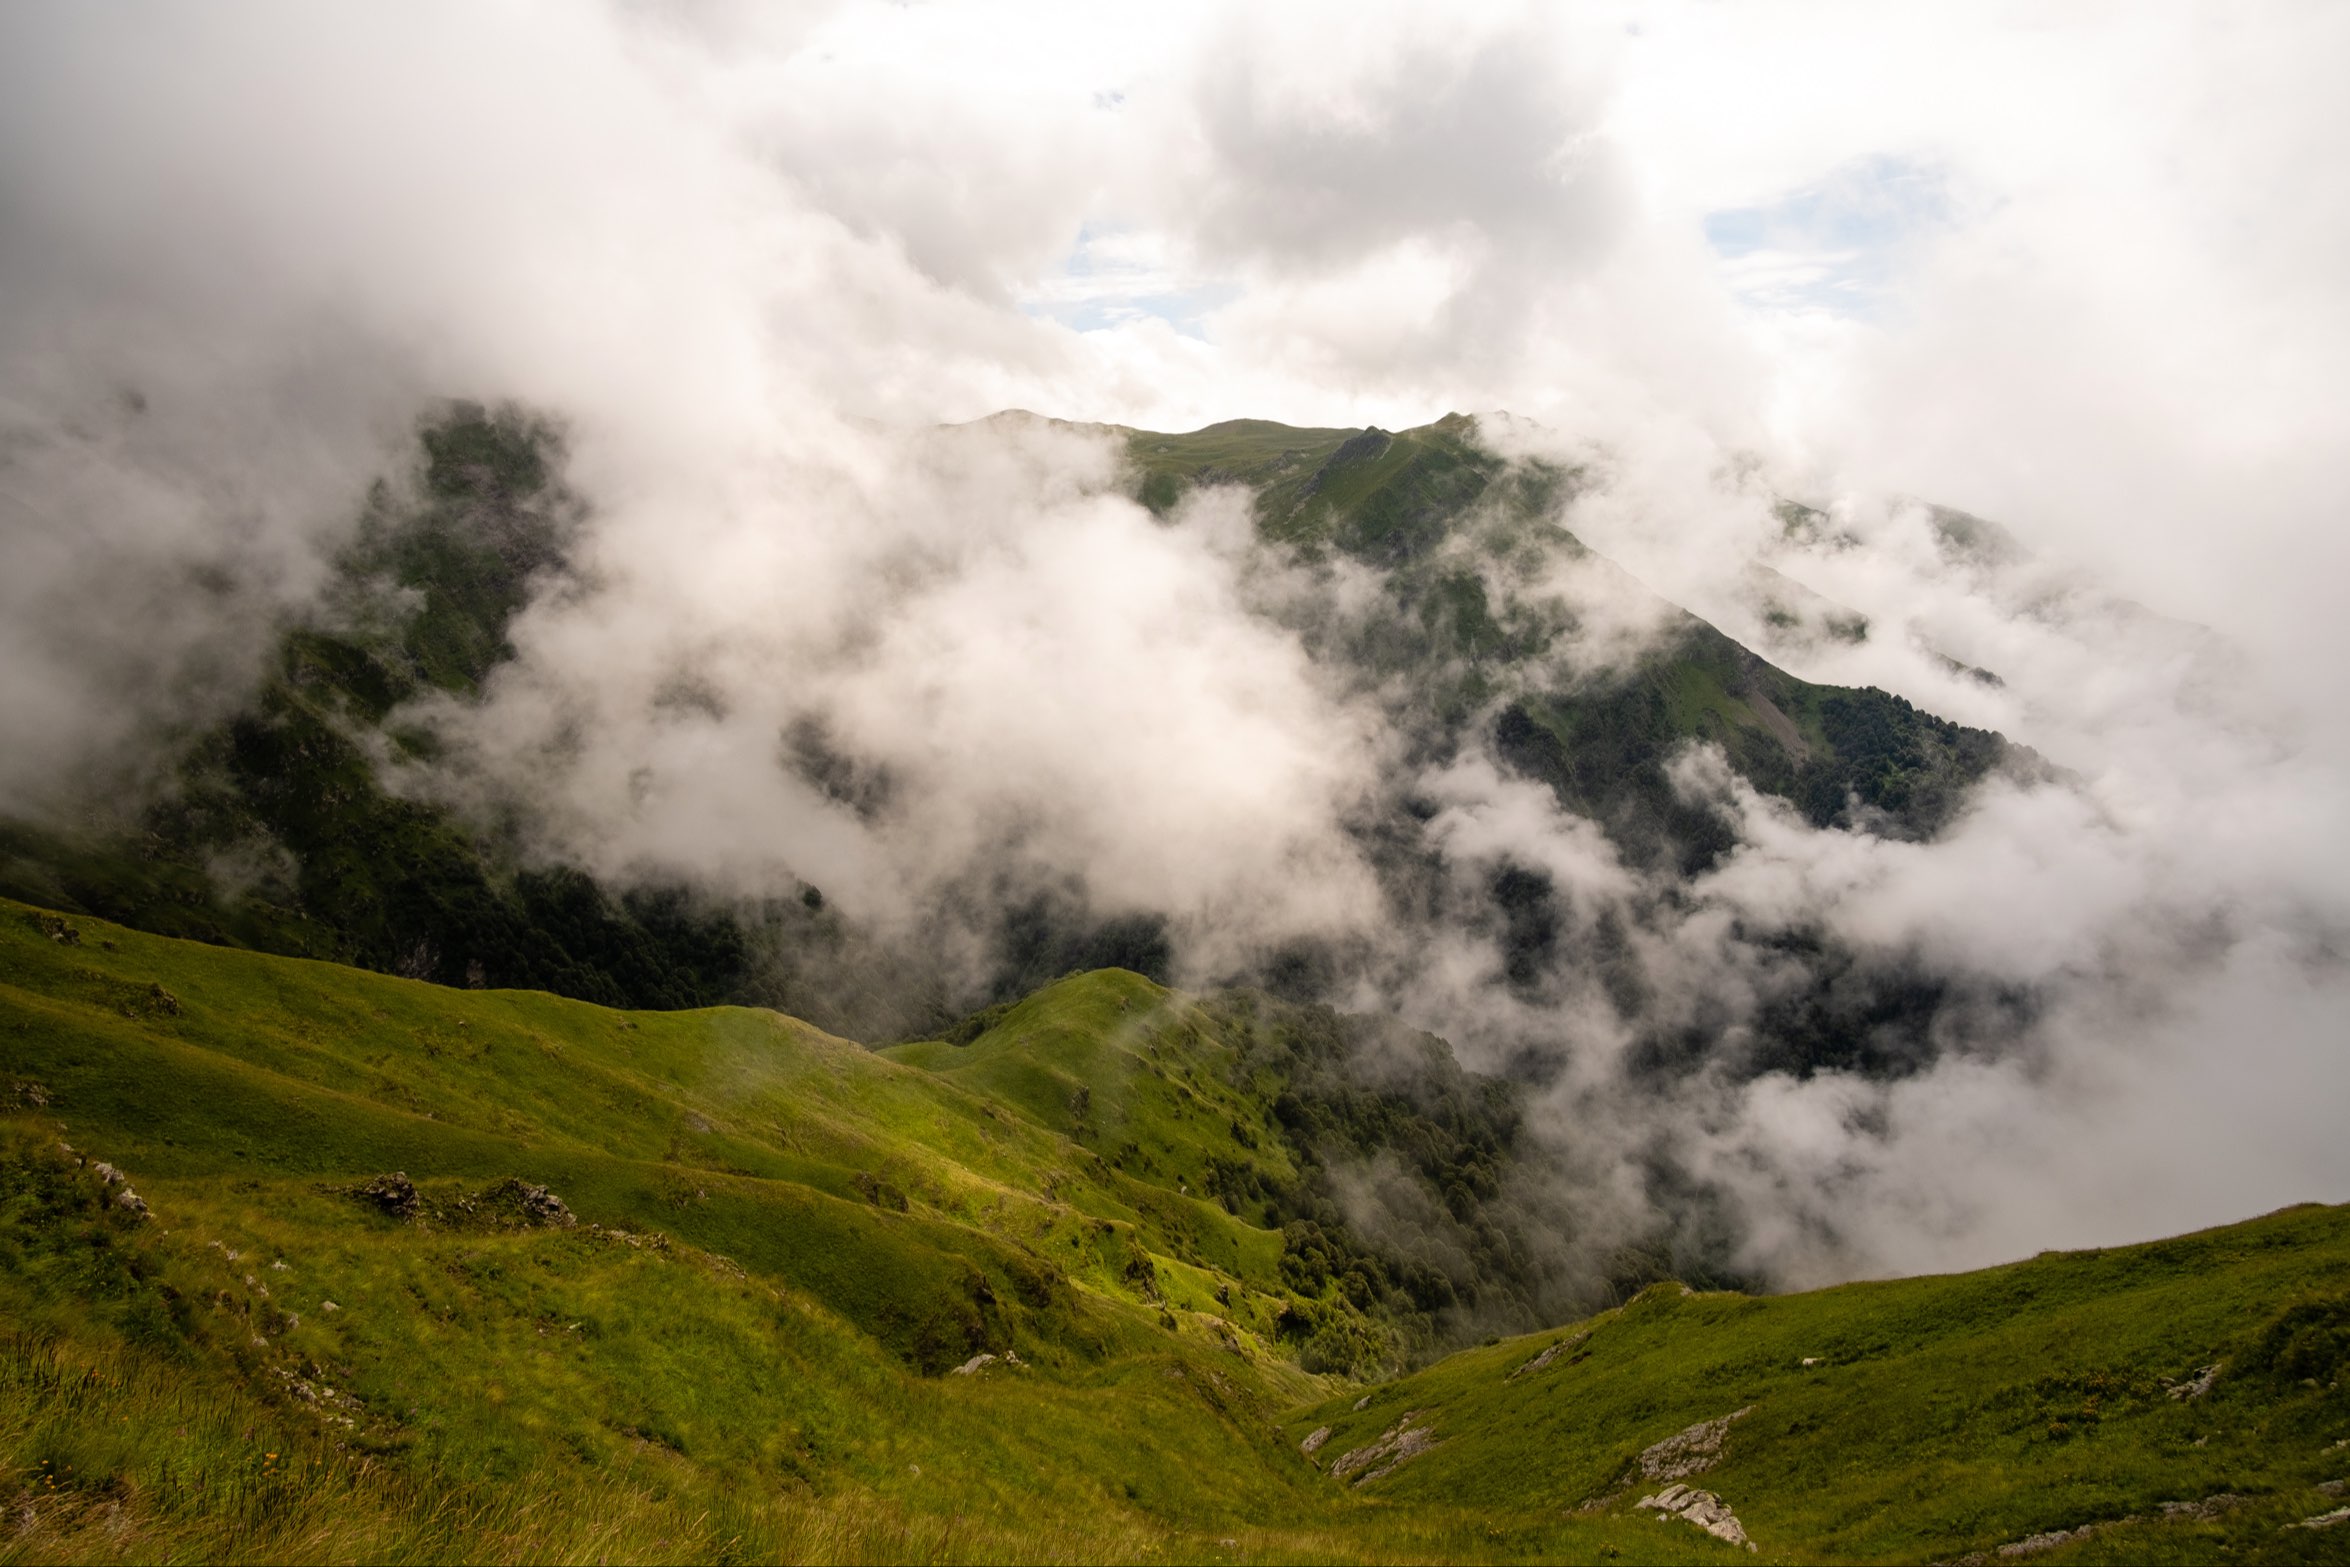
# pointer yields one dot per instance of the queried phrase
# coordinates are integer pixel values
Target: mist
(837, 621)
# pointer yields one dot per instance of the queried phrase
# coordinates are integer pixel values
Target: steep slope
(281, 833)
(715, 1248)
(1476, 621)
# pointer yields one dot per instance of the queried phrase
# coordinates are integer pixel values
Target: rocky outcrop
(1702, 1508)
(533, 1204)
(2194, 1384)
(2048, 1540)
(1397, 1446)
(117, 1182)
(1546, 1357)
(510, 1201)
(1690, 1452)
(392, 1195)
(1313, 1442)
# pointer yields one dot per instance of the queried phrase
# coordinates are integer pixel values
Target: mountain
(281, 834)
(302, 1261)
(1466, 547)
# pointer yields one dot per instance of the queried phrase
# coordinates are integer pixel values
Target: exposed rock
(1397, 1446)
(2034, 1544)
(2195, 1384)
(1362, 1403)
(32, 1095)
(1547, 1356)
(327, 1402)
(655, 1241)
(538, 1205)
(977, 1363)
(1813, 1360)
(393, 1194)
(1313, 1442)
(1702, 1508)
(2209, 1507)
(131, 1202)
(2324, 1520)
(58, 930)
(1692, 1451)
(2332, 1487)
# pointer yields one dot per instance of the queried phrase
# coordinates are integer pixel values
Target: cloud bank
(752, 262)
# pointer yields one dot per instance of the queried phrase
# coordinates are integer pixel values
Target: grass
(1928, 1417)
(785, 1243)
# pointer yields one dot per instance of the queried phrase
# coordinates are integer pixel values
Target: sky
(2073, 267)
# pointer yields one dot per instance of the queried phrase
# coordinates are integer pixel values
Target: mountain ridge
(300, 1260)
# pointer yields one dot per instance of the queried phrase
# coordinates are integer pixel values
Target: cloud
(752, 259)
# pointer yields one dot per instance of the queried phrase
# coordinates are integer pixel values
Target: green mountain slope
(281, 834)
(698, 1285)
(1464, 543)
(2179, 1401)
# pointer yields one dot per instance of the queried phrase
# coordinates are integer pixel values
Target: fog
(2062, 269)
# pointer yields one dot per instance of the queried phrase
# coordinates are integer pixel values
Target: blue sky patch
(1116, 275)
(1837, 244)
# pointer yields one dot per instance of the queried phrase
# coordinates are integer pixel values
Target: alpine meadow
(857, 782)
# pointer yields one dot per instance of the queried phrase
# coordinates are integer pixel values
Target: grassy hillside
(782, 1245)
(2180, 1401)
(422, 1273)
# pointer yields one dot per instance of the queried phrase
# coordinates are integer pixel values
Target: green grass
(1944, 1415)
(785, 1243)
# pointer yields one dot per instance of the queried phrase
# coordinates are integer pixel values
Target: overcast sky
(2076, 267)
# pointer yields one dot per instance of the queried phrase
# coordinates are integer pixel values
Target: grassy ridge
(934, 1216)
(1927, 1418)
(783, 1240)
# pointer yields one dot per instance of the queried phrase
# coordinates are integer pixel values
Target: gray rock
(2195, 1384)
(1702, 1508)
(1690, 1452)
(1397, 1446)
(1547, 1356)
(2210, 1507)
(394, 1194)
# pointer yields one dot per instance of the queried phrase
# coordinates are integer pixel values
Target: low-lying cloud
(809, 637)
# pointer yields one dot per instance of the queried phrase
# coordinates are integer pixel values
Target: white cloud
(243, 243)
